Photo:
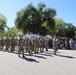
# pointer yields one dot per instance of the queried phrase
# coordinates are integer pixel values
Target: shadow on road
(30, 60)
(39, 56)
(48, 53)
(67, 56)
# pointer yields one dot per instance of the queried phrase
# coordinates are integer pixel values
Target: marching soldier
(46, 43)
(36, 45)
(13, 44)
(20, 45)
(7, 43)
(26, 44)
(2, 43)
(55, 45)
(30, 47)
(42, 44)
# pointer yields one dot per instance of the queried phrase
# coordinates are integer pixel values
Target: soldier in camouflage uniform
(26, 44)
(2, 43)
(55, 45)
(7, 43)
(46, 43)
(42, 44)
(13, 44)
(20, 45)
(30, 47)
(36, 45)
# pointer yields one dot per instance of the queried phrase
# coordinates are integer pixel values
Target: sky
(65, 9)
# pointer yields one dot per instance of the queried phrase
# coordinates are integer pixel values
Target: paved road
(39, 64)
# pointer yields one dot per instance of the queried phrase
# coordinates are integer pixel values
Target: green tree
(31, 19)
(64, 29)
(59, 26)
(70, 30)
(12, 32)
(3, 22)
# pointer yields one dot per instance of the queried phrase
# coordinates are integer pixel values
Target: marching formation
(31, 46)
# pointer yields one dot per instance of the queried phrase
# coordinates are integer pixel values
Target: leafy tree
(3, 22)
(12, 32)
(70, 30)
(59, 26)
(32, 19)
(64, 29)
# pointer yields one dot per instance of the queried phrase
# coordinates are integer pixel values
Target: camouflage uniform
(30, 47)
(7, 43)
(46, 44)
(26, 44)
(42, 44)
(36, 45)
(13, 44)
(55, 45)
(2, 43)
(33, 48)
(20, 45)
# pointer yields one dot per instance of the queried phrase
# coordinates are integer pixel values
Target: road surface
(39, 64)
